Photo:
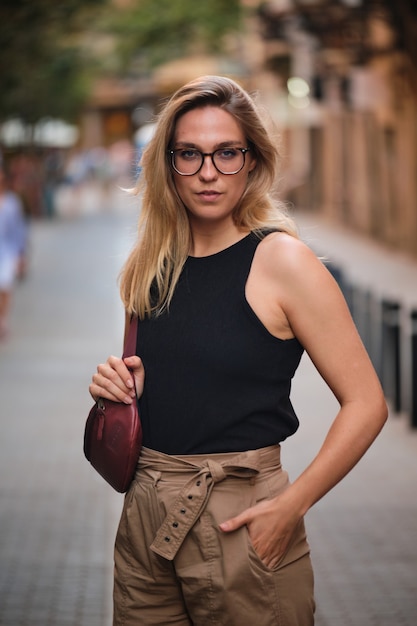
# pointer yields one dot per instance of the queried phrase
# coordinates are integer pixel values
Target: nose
(208, 171)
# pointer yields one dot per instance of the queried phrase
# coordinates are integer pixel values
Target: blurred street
(58, 518)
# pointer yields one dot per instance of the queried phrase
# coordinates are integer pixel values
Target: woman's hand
(271, 524)
(120, 380)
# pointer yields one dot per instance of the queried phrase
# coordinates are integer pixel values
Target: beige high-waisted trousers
(174, 566)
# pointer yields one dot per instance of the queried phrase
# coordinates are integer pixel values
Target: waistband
(204, 471)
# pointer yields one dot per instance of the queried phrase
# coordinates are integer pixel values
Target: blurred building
(339, 78)
(350, 122)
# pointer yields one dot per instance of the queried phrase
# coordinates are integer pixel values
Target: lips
(209, 195)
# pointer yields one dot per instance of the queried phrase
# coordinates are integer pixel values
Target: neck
(205, 243)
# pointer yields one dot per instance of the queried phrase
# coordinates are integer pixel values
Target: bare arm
(318, 316)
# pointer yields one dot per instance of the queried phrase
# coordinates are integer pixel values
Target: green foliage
(167, 29)
(43, 70)
(50, 50)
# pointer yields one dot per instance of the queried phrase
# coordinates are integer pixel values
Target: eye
(189, 154)
(226, 154)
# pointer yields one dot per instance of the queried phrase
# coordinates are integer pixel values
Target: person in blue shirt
(13, 239)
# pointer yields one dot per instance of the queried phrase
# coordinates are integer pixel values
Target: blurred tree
(51, 50)
(151, 33)
(43, 68)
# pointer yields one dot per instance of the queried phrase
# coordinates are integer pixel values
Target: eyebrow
(222, 144)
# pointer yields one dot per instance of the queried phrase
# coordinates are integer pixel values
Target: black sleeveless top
(216, 380)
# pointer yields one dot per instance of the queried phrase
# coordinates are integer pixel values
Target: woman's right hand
(120, 380)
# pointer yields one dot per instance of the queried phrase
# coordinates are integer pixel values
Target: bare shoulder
(285, 255)
(295, 272)
(290, 289)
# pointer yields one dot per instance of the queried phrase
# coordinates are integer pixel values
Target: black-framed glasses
(189, 161)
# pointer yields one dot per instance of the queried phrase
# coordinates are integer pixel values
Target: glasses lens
(229, 160)
(187, 162)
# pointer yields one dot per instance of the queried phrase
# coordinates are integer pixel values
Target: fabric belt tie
(193, 498)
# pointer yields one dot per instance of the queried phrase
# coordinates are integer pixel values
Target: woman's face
(209, 195)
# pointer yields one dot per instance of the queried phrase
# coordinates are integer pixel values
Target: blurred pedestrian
(228, 298)
(13, 239)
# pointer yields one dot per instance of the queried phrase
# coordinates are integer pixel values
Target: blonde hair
(152, 270)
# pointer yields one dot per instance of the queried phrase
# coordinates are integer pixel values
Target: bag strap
(130, 345)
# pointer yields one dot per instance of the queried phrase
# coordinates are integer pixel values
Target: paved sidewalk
(58, 519)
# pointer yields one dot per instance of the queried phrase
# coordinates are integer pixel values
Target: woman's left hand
(271, 524)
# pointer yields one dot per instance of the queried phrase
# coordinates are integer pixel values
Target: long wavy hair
(152, 270)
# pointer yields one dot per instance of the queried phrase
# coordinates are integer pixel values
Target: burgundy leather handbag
(113, 433)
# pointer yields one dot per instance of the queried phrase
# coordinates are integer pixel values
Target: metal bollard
(391, 369)
(337, 273)
(362, 316)
(414, 368)
(339, 276)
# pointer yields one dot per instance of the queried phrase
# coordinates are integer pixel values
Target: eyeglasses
(189, 161)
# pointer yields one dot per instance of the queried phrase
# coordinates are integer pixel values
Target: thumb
(135, 365)
(235, 522)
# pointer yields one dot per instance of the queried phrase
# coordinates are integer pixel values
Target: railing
(389, 333)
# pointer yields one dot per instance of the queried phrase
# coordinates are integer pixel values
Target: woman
(13, 235)
(228, 298)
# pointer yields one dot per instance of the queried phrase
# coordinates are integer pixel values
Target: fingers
(113, 381)
(269, 549)
(270, 525)
(235, 522)
(135, 365)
